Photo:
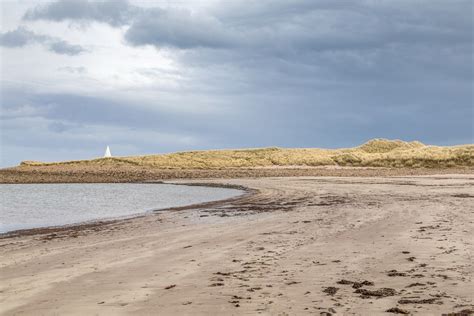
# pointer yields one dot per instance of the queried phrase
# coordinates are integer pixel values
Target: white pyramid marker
(107, 153)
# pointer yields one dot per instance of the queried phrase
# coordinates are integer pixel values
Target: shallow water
(24, 206)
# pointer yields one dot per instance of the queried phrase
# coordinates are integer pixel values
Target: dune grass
(375, 153)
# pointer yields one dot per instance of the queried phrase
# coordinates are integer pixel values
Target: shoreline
(69, 229)
(128, 174)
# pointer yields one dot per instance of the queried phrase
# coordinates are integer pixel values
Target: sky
(161, 76)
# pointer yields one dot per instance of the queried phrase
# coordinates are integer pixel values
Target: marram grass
(375, 153)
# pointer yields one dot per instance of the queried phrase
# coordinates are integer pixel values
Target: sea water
(24, 206)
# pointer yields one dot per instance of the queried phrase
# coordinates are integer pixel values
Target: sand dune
(375, 153)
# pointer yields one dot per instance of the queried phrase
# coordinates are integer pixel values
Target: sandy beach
(232, 157)
(291, 246)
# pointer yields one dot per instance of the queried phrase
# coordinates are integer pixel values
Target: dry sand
(283, 250)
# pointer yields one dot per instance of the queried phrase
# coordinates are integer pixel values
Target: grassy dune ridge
(375, 153)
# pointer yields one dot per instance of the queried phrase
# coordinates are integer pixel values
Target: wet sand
(300, 245)
(71, 173)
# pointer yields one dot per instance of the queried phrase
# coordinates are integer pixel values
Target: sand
(300, 245)
(78, 173)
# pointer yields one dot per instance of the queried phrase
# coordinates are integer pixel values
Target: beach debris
(463, 195)
(223, 273)
(394, 273)
(235, 300)
(434, 300)
(217, 284)
(170, 286)
(397, 310)
(331, 290)
(355, 284)
(382, 292)
(416, 284)
(345, 282)
(253, 289)
(419, 275)
(319, 263)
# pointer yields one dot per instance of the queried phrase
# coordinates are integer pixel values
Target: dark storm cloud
(180, 29)
(310, 41)
(113, 12)
(276, 25)
(280, 73)
(82, 110)
(22, 36)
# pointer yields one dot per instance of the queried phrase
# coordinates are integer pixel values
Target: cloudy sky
(160, 76)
